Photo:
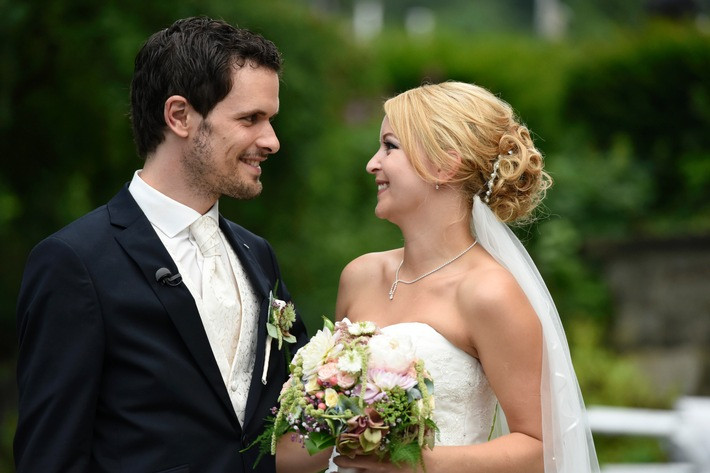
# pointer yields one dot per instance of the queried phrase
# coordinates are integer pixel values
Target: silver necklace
(396, 273)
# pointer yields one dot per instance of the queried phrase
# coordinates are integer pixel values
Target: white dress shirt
(171, 221)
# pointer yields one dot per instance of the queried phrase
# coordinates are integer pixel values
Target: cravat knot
(205, 231)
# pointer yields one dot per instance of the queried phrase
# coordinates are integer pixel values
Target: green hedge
(652, 90)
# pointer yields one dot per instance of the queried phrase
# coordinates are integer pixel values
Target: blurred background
(617, 94)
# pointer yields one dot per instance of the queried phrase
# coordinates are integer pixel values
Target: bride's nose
(373, 165)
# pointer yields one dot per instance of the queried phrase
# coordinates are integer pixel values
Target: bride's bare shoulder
(491, 291)
(361, 277)
(368, 266)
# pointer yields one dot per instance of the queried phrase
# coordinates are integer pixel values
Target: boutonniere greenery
(280, 319)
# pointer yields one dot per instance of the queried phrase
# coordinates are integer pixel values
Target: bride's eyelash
(389, 145)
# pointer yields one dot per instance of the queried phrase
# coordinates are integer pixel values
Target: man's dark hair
(193, 58)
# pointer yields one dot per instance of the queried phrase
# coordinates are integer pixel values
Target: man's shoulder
(83, 227)
(248, 236)
(80, 240)
(97, 224)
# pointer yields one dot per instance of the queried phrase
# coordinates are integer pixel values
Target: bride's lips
(382, 186)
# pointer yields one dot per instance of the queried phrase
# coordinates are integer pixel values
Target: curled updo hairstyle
(438, 123)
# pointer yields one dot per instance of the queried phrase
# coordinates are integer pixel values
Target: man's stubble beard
(204, 176)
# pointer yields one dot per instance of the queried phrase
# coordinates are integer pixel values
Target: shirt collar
(168, 215)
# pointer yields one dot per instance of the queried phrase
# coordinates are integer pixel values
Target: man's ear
(176, 113)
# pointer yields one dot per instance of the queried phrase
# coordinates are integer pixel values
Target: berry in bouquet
(357, 389)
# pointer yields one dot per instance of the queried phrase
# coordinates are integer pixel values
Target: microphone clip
(166, 278)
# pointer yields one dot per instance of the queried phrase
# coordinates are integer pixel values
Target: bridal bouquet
(360, 390)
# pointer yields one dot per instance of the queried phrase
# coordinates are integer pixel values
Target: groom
(142, 325)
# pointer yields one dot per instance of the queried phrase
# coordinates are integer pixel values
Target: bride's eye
(389, 146)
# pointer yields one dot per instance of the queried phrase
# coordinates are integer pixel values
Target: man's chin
(246, 193)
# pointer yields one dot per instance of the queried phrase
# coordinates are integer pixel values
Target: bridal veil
(567, 439)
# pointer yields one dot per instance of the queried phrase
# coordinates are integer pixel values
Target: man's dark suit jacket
(115, 371)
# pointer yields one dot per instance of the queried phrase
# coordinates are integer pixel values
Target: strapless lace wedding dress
(464, 401)
(465, 404)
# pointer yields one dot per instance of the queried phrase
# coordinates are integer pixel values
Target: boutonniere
(280, 319)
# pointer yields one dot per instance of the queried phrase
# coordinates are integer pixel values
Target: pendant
(392, 289)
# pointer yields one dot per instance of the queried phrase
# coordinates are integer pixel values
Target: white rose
(395, 354)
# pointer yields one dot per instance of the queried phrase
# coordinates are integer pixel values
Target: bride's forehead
(385, 127)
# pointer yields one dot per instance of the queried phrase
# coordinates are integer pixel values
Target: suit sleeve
(61, 342)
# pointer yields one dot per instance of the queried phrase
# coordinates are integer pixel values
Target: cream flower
(314, 353)
(350, 362)
(331, 397)
(312, 385)
(395, 354)
(361, 328)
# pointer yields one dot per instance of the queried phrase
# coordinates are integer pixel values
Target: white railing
(686, 429)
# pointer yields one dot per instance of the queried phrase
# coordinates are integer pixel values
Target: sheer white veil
(567, 439)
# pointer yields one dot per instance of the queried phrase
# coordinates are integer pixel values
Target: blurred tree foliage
(622, 119)
(63, 119)
(652, 91)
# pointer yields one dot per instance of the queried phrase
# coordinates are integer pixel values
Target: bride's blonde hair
(438, 123)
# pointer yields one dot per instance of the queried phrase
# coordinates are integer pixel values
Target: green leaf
(408, 453)
(327, 323)
(273, 331)
(289, 338)
(333, 426)
(318, 441)
(348, 403)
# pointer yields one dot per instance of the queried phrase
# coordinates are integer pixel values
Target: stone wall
(661, 291)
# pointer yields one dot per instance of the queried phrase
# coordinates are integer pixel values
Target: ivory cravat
(220, 297)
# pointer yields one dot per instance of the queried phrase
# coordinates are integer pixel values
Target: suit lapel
(260, 282)
(142, 244)
(262, 286)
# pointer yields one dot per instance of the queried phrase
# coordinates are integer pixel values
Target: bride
(453, 164)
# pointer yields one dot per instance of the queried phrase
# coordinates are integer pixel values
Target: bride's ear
(445, 175)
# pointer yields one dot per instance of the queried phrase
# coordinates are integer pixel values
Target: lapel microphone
(166, 278)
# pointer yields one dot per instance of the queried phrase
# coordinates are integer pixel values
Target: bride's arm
(507, 337)
(291, 457)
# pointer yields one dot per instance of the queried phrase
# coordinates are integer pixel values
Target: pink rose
(327, 371)
(345, 380)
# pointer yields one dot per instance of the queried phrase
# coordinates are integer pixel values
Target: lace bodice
(464, 401)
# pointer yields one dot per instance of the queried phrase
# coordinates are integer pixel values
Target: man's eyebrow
(255, 111)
